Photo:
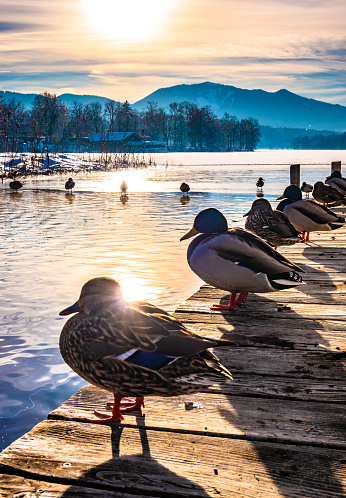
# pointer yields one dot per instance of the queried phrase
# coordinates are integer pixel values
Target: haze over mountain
(281, 109)
(27, 98)
(277, 109)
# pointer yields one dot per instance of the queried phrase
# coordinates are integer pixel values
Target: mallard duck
(272, 226)
(307, 215)
(16, 185)
(135, 349)
(236, 260)
(69, 184)
(336, 181)
(184, 187)
(306, 188)
(123, 188)
(325, 194)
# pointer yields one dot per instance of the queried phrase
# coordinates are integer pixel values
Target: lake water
(53, 242)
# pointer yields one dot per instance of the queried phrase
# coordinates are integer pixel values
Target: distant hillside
(68, 98)
(278, 109)
(284, 138)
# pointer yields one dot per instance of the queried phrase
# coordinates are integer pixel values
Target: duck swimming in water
(307, 215)
(236, 260)
(272, 226)
(135, 349)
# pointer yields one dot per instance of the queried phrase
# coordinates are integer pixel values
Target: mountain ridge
(280, 109)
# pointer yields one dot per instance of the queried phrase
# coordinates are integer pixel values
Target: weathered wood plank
(158, 463)
(251, 418)
(270, 309)
(20, 487)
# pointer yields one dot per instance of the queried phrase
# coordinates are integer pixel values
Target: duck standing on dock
(336, 181)
(15, 185)
(69, 185)
(135, 349)
(307, 189)
(307, 215)
(236, 260)
(272, 226)
(326, 194)
(184, 187)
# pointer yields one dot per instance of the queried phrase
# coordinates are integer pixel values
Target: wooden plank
(268, 308)
(216, 413)
(160, 463)
(281, 334)
(20, 487)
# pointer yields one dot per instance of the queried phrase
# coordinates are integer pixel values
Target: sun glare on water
(129, 20)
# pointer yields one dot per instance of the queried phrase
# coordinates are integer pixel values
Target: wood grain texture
(277, 430)
(157, 463)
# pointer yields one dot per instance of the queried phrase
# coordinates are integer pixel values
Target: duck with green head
(307, 215)
(236, 260)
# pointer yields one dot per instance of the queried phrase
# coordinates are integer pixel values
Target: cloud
(269, 44)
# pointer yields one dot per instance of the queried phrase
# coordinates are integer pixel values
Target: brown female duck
(135, 349)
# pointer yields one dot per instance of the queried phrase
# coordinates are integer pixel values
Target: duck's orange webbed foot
(117, 408)
(233, 303)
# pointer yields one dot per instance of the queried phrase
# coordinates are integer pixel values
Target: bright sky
(127, 49)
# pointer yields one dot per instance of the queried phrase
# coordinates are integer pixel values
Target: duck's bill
(75, 308)
(191, 233)
(281, 197)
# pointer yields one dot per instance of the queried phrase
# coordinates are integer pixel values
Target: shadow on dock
(134, 472)
(268, 355)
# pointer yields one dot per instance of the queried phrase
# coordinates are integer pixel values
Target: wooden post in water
(295, 174)
(336, 166)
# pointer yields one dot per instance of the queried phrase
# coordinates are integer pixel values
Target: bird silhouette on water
(69, 185)
(123, 189)
(260, 183)
(15, 185)
(184, 187)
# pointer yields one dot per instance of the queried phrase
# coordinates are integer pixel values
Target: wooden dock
(279, 429)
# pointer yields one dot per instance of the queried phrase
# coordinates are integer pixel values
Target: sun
(127, 20)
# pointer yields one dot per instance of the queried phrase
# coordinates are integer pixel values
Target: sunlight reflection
(136, 289)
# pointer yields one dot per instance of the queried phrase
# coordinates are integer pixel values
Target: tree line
(183, 126)
(333, 141)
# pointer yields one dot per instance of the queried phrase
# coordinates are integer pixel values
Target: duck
(236, 260)
(272, 226)
(123, 188)
(69, 184)
(336, 181)
(260, 183)
(184, 187)
(135, 349)
(307, 215)
(326, 194)
(307, 189)
(16, 185)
